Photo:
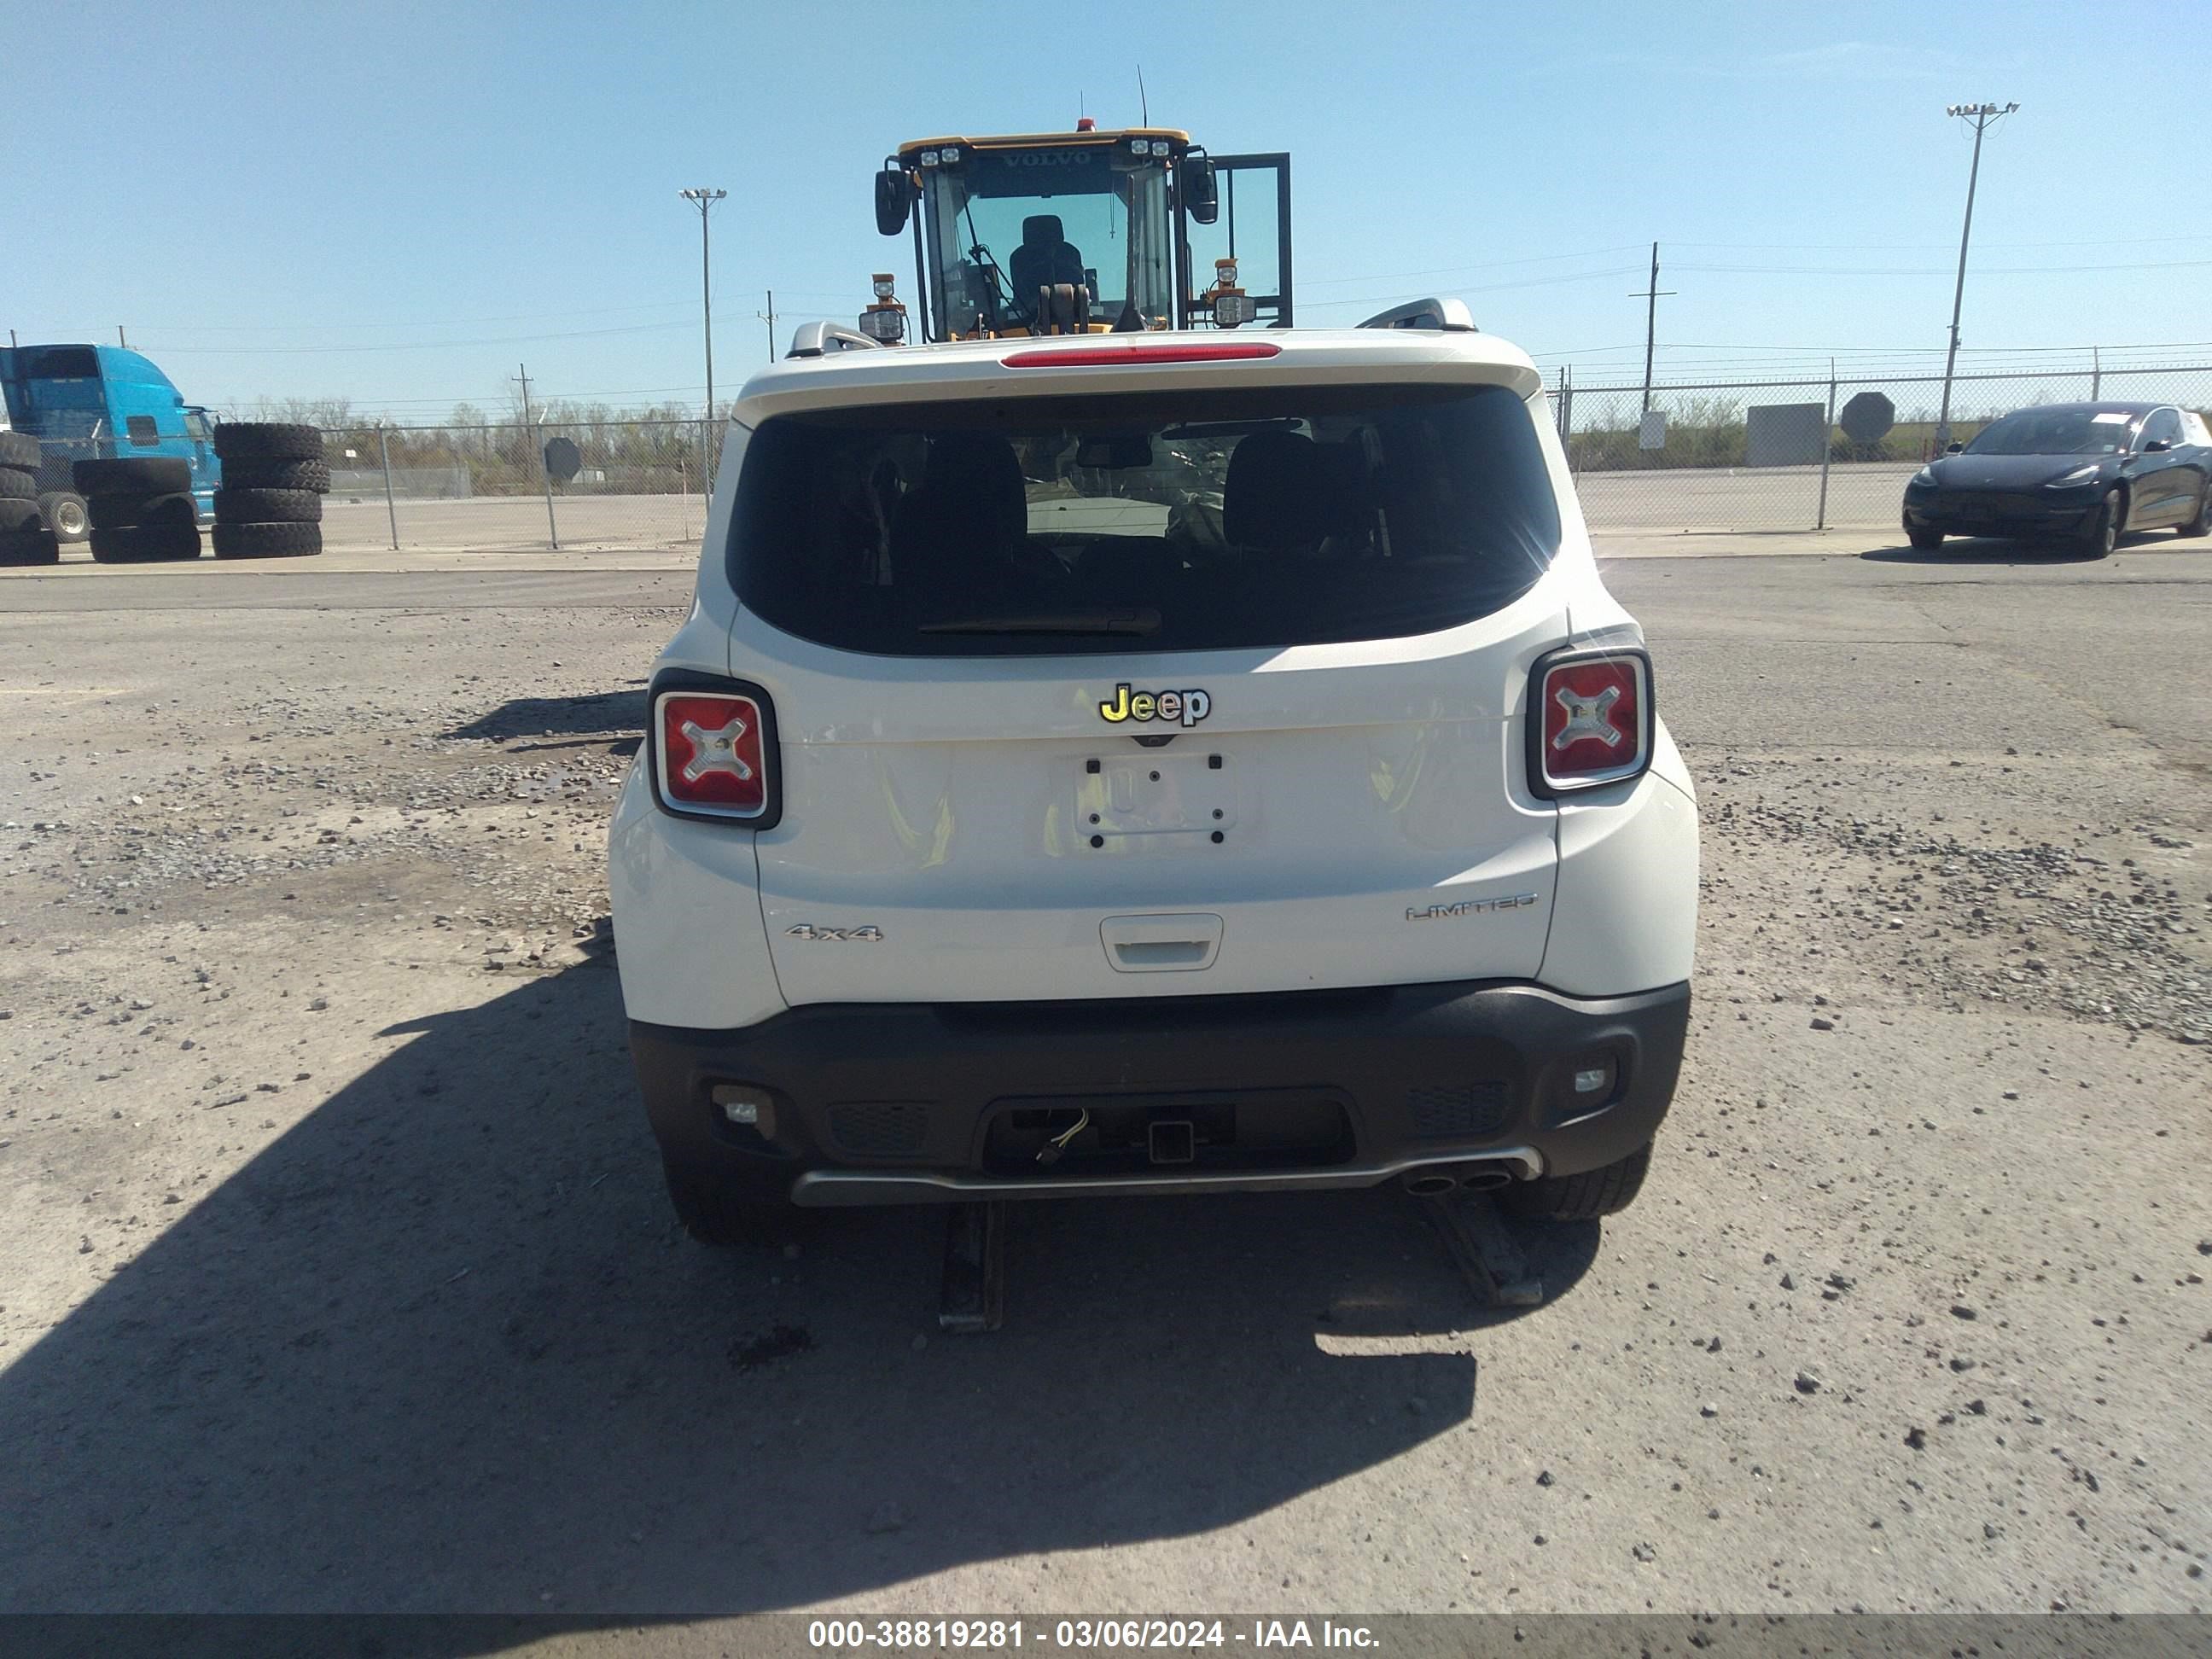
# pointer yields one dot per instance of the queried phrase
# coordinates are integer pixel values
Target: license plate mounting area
(1155, 793)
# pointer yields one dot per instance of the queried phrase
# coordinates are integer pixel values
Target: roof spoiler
(1445, 316)
(820, 339)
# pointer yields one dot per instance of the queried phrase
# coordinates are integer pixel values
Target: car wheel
(2201, 524)
(724, 1212)
(66, 514)
(2103, 534)
(1924, 538)
(1607, 1190)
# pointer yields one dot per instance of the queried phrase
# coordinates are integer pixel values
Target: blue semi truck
(97, 402)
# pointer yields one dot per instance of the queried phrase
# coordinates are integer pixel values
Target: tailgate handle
(1156, 944)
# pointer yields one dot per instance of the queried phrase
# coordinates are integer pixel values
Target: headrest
(1042, 230)
(1276, 493)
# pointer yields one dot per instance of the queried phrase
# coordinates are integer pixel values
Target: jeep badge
(1187, 708)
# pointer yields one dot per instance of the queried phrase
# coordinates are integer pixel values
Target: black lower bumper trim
(2042, 523)
(912, 1102)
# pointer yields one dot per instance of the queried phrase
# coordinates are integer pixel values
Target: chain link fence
(1734, 456)
(1778, 455)
(517, 487)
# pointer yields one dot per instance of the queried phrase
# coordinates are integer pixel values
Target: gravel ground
(339, 1276)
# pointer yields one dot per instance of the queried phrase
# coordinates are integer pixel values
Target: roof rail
(820, 339)
(1447, 316)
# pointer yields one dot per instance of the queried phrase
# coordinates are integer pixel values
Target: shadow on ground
(1986, 550)
(615, 714)
(440, 1347)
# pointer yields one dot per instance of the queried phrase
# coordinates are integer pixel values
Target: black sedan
(2087, 473)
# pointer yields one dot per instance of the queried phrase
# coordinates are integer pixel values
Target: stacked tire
(274, 478)
(141, 508)
(24, 536)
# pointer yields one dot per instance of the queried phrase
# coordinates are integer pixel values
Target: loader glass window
(1204, 521)
(1003, 223)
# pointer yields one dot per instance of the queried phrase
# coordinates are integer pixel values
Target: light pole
(1982, 115)
(704, 199)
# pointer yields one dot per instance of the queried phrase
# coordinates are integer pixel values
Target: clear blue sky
(397, 203)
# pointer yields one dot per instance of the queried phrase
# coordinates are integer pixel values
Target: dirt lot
(339, 1276)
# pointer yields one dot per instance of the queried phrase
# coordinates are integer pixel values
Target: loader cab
(1088, 232)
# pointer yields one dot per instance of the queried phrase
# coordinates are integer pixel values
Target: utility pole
(538, 442)
(1983, 116)
(704, 200)
(1653, 295)
(120, 338)
(768, 316)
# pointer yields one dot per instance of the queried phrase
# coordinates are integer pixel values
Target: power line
(1938, 271)
(419, 322)
(1489, 288)
(1446, 271)
(419, 345)
(1865, 247)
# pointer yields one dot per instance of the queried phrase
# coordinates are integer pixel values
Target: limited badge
(1177, 708)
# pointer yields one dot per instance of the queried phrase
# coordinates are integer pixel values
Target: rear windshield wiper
(1128, 620)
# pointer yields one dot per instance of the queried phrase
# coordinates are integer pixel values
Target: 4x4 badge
(1189, 708)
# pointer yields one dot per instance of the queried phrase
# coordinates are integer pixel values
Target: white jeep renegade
(1177, 762)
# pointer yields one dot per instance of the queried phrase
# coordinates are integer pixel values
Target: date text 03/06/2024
(1081, 1635)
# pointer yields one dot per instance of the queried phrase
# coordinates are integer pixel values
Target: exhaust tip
(1430, 1185)
(1488, 1179)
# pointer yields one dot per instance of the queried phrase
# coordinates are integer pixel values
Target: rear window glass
(1199, 521)
(60, 364)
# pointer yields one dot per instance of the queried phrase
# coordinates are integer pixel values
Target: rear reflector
(1591, 720)
(709, 754)
(1096, 356)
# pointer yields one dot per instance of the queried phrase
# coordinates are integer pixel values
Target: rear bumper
(886, 1104)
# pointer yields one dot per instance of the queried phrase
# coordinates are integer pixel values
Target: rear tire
(66, 514)
(132, 475)
(267, 541)
(146, 543)
(2103, 532)
(2201, 524)
(243, 505)
(17, 485)
(268, 440)
(22, 547)
(725, 1212)
(1607, 1190)
(20, 450)
(248, 473)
